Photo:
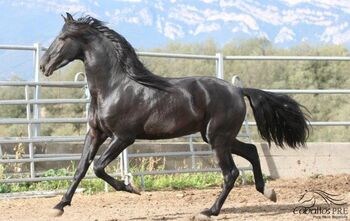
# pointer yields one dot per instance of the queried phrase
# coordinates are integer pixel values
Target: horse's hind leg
(229, 171)
(250, 153)
(113, 150)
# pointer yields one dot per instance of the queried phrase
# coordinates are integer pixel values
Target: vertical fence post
(193, 158)
(36, 107)
(125, 168)
(86, 94)
(30, 130)
(219, 65)
(36, 110)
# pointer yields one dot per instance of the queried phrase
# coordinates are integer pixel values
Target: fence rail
(288, 58)
(33, 119)
(71, 84)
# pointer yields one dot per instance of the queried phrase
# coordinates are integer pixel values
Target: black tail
(279, 118)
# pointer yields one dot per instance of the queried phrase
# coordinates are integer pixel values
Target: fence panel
(33, 120)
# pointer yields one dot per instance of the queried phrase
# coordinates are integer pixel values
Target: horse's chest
(102, 116)
(107, 117)
(115, 120)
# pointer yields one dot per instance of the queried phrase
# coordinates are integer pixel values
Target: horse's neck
(103, 70)
(101, 78)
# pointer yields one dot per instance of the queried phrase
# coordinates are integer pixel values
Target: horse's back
(214, 92)
(221, 103)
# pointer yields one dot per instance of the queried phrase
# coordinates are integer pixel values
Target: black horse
(128, 102)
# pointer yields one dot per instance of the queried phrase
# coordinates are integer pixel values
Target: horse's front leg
(93, 141)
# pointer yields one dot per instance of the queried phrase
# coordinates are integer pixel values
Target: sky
(153, 23)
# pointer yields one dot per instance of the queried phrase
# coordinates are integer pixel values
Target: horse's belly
(170, 128)
(163, 135)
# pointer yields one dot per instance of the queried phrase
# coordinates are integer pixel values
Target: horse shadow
(264, 210)
(174, 216)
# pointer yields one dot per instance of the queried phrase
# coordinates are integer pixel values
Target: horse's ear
(69, 17)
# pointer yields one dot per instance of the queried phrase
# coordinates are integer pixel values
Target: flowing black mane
(126, 55)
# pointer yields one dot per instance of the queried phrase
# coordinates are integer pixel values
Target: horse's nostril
(41, 67)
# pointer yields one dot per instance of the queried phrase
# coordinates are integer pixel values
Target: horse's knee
(78, 173)
(99, 170)
(230, 179)
(235, 174)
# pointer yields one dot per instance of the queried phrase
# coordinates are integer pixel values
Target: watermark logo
(322, 205)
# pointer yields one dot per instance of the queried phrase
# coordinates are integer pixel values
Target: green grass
(151, 182)
(180, 181)
(90, 185)
(177, 181)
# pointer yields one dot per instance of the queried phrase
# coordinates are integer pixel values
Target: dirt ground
(244, 203)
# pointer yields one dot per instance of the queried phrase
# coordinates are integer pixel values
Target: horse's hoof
(201, 217)
(270, 194)
(56, 212)
(132, 189)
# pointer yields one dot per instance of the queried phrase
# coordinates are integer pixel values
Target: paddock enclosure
(26, 156)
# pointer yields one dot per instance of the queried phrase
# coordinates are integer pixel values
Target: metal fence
(34, 120)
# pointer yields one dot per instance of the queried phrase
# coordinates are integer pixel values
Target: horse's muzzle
(43, 66)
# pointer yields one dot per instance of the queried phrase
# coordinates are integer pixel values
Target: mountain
(153, 23)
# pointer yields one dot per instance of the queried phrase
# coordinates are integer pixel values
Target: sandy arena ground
(244, 203)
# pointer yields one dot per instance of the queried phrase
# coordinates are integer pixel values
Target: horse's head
(66, 47)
